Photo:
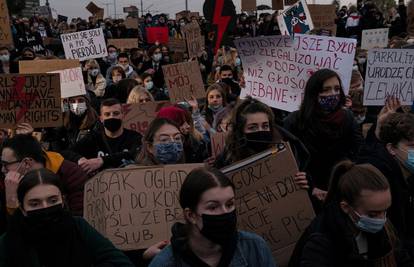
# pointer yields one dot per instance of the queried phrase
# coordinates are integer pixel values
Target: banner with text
(184, 81)
(84, 45)
(375, 38)
(6, 37)
(390, 72)
(31, 98)
(268, 201)
(276, 68)
(135, 207)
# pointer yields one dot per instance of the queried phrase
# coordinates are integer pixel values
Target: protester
(157, 92)
(44, 231)
(155, 66)
(123, 62)
(139, 95)
(5, 59)
(209, 236)
(356, 94)
(216, 99)
(96, 82)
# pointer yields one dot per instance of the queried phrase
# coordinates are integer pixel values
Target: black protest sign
(31, 98)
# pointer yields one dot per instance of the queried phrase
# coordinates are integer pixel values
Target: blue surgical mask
(409, 162)
(238, 62)
(370, 225)
(168, 153)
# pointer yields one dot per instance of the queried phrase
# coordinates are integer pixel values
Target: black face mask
(259, 141)
(112, 124)
(219, 228)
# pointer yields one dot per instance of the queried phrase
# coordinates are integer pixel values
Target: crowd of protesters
(359, 179)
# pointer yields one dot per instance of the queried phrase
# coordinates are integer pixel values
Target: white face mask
(78, 108)
(4, 58)
(149, 85)
(125, 67)
(157, 57)
(94, 72)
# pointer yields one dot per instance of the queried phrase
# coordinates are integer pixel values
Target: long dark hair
(310, 111)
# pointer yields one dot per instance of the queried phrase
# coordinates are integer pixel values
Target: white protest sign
(375, 38)
(71, 82)
(84, 45)
(276, 68)
(390, 72)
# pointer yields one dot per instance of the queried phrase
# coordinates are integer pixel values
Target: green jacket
(101, 250)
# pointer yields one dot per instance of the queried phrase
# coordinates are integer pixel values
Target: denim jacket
(251, 250)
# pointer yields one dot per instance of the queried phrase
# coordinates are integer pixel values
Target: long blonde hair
(136, 92)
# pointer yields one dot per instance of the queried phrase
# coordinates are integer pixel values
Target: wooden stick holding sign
(268, 201)
(184, 81)
(136, 207)
(31, 98)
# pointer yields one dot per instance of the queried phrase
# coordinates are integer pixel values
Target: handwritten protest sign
(389, 72)
(31, 98)
(157, 34)
(137, 117)
(177, 45)
(71, 78)
(84, 45)
(131, 23)
(276, 68)
(323, 17)
(218, 142)
(268, 201)
(183, 81)
(95, 10)
(127, 43)
(295, 19)
(195, 41)
(6, 38)
(375, 38)
(135, 207)
(248, 5)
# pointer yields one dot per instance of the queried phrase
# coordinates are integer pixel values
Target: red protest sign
(155, 34)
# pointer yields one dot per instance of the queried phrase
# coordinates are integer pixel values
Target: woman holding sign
(328, 130)
(43, 233)
(209, 236)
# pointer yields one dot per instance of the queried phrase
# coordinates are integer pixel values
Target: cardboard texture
(184, 81)
(248, 5)
(93, 8)
(31, 98)
(137, 117)
(157, 34)
(268, 201)
(123, 44)
(135, 207)
(277, 4)
(194, 39)
(6, 37)
(375, 38)
(71, 79)
(84, 45)
(218, 142)
(131, 23)
(323, 17)
(177, 45)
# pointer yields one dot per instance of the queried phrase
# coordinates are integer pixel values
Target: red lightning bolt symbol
(220, 21)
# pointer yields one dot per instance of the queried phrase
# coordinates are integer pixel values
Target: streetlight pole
(142, 9)
(114, 9)
(186, 5)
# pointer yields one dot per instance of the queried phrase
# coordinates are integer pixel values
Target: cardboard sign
(375, 38)
(31, 98)
(138, 117)
(218, 142)
(131, 23)
(84, 45)
(248, 5)
(295, 19)
(177, 45)
(71, 79)
(194, 39)
(157, 34)
(127, 43)
(93, 8)
(182, 14)
(136, 207)
(389, 72)
(277, 4)
(183, 81)
(268, 201)
(323, 17)
(276, 68)
(6, 37)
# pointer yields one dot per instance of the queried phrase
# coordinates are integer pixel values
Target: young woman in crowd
(117, 74)
(139, 95)
(157, 93)
(215, 102)
(209, 236)
(43, 233)
(253, 131)
(328, 130)
(96, 81)
(352, 230)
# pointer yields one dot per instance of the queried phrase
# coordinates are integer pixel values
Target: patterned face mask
(329, 103)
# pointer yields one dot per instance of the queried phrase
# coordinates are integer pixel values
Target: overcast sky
(76, 8)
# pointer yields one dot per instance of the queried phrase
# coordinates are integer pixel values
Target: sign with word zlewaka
(276, 68)
(195, 41)
(71, 79)
(268, 201)
(31, 98)
(137, 117)
(84, 45)
(375, 38)
(136, 207)
(183, 81)
(390, 72)
(6, 38)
